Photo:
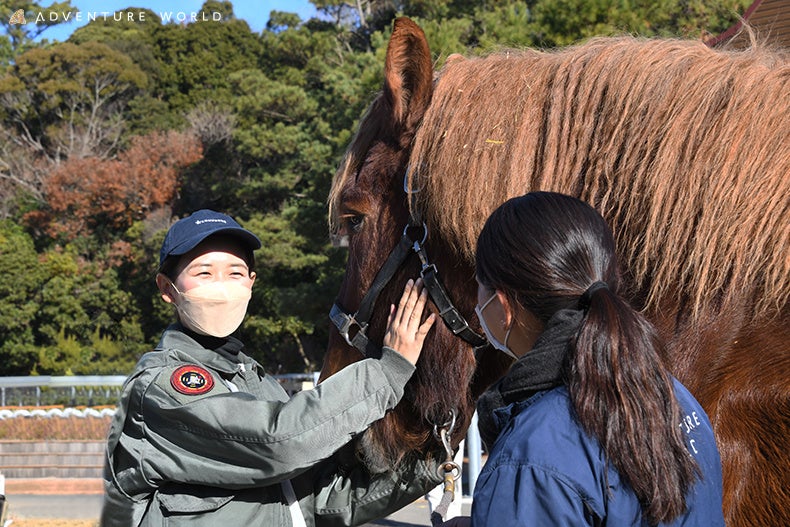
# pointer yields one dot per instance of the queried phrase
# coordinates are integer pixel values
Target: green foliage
(83, 306)
(508, 26)
(195, 60)
(67, 100)
(53, 306)
(562, 22)
(136, 39)
(280, 20)
(62, 356)
(18, 38)
(100, 356)
(124, 34)
(20, 282)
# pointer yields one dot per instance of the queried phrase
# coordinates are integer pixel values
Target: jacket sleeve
(517, 495)
(236, 440)
(347, 493)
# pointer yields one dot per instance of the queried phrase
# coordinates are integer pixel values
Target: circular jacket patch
(192, 380)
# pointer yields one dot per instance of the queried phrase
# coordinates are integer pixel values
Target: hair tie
(586, 297)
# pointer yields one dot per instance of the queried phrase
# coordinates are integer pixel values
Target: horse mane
(683, 148)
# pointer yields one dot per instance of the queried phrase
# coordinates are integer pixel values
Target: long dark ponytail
(546, 252)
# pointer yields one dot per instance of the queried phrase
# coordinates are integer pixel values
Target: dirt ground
(52, 486)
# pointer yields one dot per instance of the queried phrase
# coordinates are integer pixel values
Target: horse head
(373, 214)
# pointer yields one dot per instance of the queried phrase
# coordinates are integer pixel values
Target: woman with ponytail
(587, 427)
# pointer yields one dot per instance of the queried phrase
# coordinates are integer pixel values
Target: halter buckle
(344, 323)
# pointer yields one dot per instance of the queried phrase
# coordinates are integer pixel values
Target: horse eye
(350, 223)
(355, 222)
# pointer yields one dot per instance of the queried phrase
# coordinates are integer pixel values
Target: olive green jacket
(204, 437)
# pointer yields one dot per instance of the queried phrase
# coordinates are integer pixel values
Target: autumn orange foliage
(83, 193)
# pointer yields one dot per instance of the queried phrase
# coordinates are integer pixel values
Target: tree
(347, 13)
(21, 280)
(60, 313)
(67, 100)
(196, 60)
(293, 121)
(135, 38)
(93, 194)
(18, 38)
(562, 22)
(85, 305)
(59, 103)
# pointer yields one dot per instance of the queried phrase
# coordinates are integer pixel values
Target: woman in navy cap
(202, 436)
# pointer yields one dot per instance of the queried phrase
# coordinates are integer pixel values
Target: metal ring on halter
(424, 232)
(448, 426)
(449, 467)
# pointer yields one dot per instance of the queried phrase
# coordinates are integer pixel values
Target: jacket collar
(221, 354)
(539, 369)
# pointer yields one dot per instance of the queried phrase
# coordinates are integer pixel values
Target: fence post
(475, 450)
(2, 500)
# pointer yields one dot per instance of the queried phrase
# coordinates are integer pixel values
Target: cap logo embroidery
(210, 220)
(192, 380)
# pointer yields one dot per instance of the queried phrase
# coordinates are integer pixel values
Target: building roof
(769, 19)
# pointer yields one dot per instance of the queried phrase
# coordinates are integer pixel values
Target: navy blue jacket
(544, 470)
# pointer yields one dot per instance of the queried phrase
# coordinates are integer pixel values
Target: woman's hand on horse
(405, 334)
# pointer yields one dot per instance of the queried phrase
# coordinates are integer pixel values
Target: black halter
(346, 322)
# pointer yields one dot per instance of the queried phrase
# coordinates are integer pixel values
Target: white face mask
(491, 338)
(216, 309)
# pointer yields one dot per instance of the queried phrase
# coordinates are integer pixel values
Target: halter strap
(346, 323)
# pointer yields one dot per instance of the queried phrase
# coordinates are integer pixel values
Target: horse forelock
(684, 150)
(368, 131)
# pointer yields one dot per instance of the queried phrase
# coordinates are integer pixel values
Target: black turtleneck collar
(539, 369)
(226, 346)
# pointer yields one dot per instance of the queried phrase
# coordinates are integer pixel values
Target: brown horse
(683, 148)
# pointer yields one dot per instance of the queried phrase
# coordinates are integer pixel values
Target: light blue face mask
(491, 338)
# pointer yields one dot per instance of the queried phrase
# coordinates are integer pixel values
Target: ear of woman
(523, 326)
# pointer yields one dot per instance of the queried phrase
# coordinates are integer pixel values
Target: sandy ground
(34, 522)
(50, 486)
(73, 498)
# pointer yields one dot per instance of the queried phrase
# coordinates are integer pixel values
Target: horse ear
(408, 74)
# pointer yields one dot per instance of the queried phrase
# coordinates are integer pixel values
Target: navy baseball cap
(187, 233)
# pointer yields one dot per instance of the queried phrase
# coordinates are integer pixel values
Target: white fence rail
(43, 390)
(84, 390)
(34, 391)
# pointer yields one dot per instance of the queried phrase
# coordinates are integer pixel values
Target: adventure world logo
(18, 18)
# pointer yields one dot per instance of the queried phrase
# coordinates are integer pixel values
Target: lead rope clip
(449, 471)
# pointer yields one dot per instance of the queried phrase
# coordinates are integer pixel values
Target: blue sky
(255, 12)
